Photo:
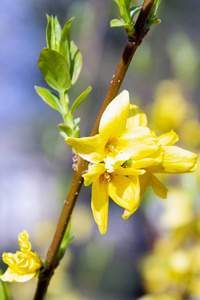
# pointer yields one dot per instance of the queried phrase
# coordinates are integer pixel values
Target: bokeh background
(35, 162)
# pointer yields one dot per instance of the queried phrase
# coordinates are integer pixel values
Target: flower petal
(24, 243)
(144, 183)
(138, 142)
(176, 161)
(136, 117)
(94, 171)
(99, 204)
(137, 199)
(11, 276)
(129, 171)
(113, 120)
(154, 159)
(159, 188)
(89, 148)
(168, 139)
(122, 191)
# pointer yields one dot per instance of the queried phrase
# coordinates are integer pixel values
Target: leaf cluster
(152, 16)
(128, 15)
(60, 63)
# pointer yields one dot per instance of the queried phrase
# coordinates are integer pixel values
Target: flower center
(106, 177)
(111, 145)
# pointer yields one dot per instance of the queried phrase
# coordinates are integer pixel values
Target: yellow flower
(22, 265)
(168, 159)
(125, 155)
(123, 190)
(116, 143)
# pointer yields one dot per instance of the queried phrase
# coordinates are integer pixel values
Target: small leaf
(79, 100)
(76, 62)
(124, 10)
(53, 33)
(154, 9)
(4, 293)
(76, 122)
(65, 42)
(54, 69)
(57, 34)
(116, 23)
(48, 31)
(134, 10)
(65, 242)
(49, 98)
(66, 129)
(76, 133)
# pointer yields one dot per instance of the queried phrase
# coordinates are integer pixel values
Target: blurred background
(156, 251)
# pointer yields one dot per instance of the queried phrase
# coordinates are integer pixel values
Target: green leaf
(54, 69)
(154, 9)
(134, 10)
(65, 241)
(65, 42)
(124, 10)
(79, 100)
(66, 129)
(4, 293)
(76, 62)
(49, 98)
(76, 122)
(76, 132)
(48, 31)
(53, 33)
(116, 23)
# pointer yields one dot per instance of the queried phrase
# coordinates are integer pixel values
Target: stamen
(106, 177)
(110, 147)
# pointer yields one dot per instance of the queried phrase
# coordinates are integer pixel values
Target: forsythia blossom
(22, 265)
(124, 157)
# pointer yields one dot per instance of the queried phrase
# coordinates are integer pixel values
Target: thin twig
(77, 181)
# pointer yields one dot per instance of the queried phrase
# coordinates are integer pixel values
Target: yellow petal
(22, 263)
(137, 198)
(136, 117)
(122, 190)
(159, 188)
(168, 139)
(138, 142)
(94, 171)
(113, 120)
(129, 171)
(144, 183)
(154, 159)
(89, 148)
(11, 276)
(24, 243)
(99, 204)
(177, 160)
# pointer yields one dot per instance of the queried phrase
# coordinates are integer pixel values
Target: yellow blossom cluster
(22, 265)
(173, 269)
(124, 157)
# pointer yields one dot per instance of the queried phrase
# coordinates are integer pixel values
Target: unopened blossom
(22, 265)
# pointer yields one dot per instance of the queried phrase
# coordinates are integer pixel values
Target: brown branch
(131, 45)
